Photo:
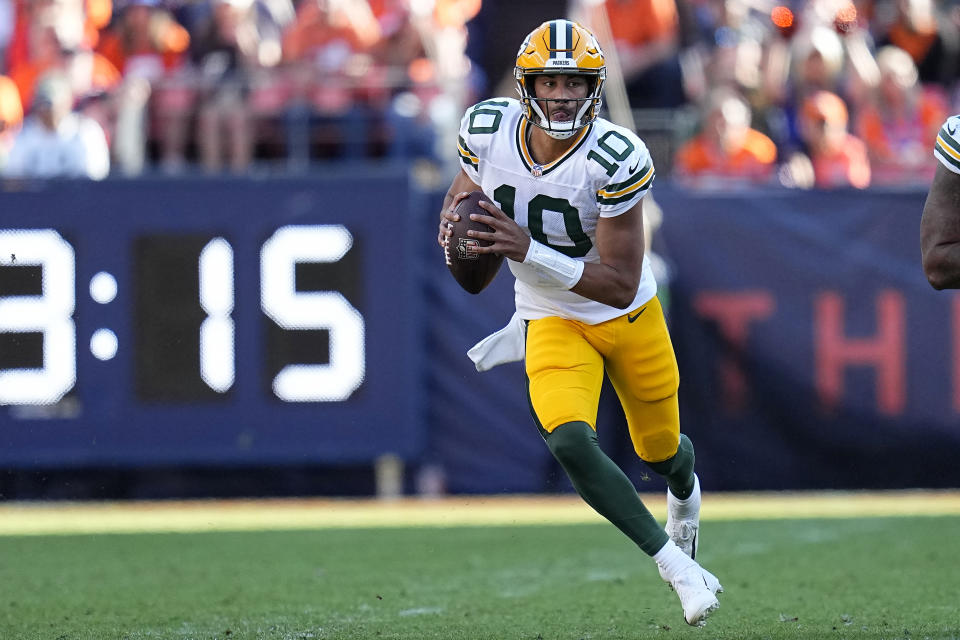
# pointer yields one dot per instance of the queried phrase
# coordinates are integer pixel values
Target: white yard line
(50, 518)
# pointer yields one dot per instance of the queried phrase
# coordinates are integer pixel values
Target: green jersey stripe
(463, 143)
(946, 137)
(946, 157)
(635, 178)
(624, 198)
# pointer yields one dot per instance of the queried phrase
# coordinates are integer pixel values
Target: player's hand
(509, 240)
(448, 216)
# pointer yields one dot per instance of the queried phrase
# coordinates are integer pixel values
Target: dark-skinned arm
(614, 280)
(940, 231)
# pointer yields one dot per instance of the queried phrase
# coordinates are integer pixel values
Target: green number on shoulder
(606, 164)
(621, 155)
(482, 109)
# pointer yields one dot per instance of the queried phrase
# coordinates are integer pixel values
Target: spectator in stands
(646, 36)
(56, 142)
(812, 60)
(346, 60)
(900, 124)
(329, 44)
(727, 152)
(49, 38)
(833, 157)
(726, 42)
(11, 116)
(437, 84)
(44, 52)
(931, 40)
(226, 51)
(147, 45)
(93, 79)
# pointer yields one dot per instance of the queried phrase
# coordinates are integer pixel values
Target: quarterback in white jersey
(940, 225)
(566, 190)
(604, 173)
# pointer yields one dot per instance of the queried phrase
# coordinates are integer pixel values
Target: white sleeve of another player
(947, 147)
(632, 180)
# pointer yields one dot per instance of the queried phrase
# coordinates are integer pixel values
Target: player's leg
(643, 370)
(564, 374)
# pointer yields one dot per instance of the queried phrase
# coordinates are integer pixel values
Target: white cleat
(696, 596)
(711, 581)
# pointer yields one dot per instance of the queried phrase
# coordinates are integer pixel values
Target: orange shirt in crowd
(639, 22)
(754, 160)
(315, 27)
(168, 47)
(846, 165)
(886, 138)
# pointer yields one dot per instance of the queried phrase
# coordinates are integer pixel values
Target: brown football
(474, 271)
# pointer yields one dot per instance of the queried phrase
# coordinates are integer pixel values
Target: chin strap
(559, 135)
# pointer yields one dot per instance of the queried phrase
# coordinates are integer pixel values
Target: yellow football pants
(565, 363)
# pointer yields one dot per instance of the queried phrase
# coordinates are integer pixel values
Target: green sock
(678, 470)
(603, 485)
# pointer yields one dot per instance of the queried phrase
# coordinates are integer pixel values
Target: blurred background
(219, 276)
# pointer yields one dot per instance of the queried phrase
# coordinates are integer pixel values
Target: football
(472, 270)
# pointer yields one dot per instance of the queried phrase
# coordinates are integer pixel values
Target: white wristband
(559, 269)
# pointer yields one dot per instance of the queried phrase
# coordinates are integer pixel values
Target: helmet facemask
(585, 110)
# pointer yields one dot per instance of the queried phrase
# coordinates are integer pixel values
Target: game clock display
(213, 322)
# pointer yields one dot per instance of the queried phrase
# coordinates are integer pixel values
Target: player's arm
(940, 231)
(613, 281)
(461, 186)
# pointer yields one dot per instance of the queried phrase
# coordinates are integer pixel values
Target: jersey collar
(527, 158)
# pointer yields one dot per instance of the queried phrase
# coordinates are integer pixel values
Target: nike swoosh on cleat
(693, 549)
(631, 318)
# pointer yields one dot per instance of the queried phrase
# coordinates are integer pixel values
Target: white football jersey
(606, 171)
(947, 148)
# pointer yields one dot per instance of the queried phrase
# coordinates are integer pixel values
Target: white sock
(672, 560)
(687, 508)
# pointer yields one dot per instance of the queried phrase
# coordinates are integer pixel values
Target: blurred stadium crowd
(727, 93)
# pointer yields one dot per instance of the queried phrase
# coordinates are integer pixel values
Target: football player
(940, 225)
(565, 191)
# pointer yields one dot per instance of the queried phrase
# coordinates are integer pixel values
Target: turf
(892, 578)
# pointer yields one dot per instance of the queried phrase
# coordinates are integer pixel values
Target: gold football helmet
(555, 47)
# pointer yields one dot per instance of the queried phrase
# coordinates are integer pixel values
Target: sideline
(62, 518)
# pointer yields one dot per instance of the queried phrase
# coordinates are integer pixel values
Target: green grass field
(869, 577)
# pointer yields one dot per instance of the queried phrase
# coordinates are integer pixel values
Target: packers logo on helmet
(560, 47)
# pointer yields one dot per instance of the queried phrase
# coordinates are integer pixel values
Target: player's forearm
(611, 286)
(941, 264)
